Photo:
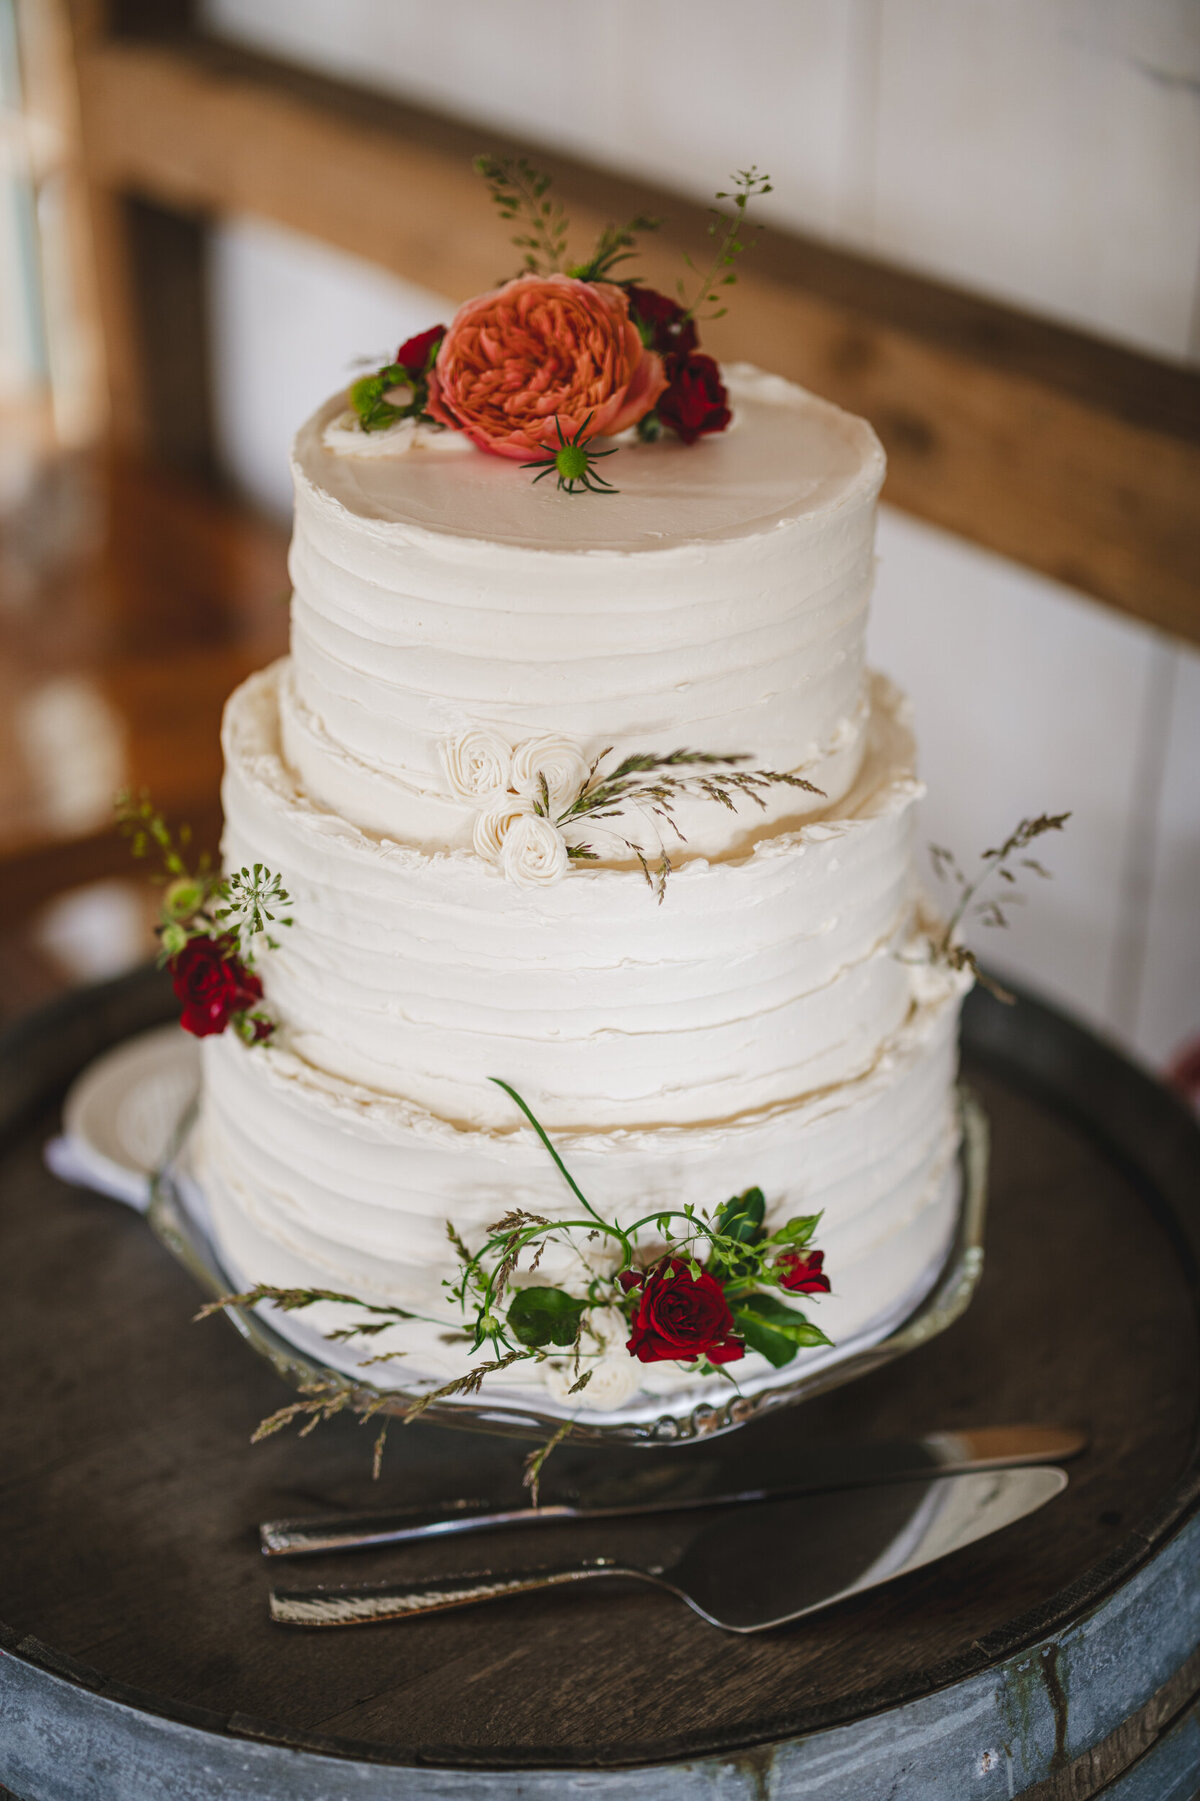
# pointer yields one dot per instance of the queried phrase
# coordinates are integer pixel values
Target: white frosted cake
(772, 1022)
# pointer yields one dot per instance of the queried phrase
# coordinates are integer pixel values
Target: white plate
(121, 1115)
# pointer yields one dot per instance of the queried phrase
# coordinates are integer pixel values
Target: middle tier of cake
(759, 979)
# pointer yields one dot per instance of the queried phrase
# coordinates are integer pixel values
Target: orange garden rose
(540, 353)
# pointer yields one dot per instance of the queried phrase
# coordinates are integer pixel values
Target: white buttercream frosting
(758, 979)
(716, 602)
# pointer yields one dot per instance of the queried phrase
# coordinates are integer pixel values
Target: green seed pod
(183, 898)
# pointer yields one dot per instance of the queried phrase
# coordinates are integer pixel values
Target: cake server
(772, 1562)
(576, 1489)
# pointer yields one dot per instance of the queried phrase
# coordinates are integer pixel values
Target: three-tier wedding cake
(465, 645)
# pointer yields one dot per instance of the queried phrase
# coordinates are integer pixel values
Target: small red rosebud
(801, 1272)
(695, 402)
(630, 1278)
(661, 321)
(414, 356)
(213, 984)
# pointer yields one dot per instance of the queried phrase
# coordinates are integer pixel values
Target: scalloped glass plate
(300, 1356)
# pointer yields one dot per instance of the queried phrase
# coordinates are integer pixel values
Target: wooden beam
(1070, 455)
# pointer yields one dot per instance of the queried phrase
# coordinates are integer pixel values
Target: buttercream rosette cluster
(518, 792)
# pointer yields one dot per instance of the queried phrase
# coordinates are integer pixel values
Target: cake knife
(772, 1563)
(577, 1487)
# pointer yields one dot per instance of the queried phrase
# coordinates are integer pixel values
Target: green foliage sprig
(948, 948)
(519, 191)
(238, 910)
(732, 240)
(615, 245)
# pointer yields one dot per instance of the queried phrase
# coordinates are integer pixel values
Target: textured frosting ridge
(757, 980)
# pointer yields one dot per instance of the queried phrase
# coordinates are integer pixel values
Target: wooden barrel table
(1058, 1659)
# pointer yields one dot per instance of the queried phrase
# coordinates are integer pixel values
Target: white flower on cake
(614, 1380)
(555, 758)
(478, 764)
(534, 852)
(494, 821)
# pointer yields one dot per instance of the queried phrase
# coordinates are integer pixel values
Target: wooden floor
(131, 602)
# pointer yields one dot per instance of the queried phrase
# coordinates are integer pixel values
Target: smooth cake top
(787, 456)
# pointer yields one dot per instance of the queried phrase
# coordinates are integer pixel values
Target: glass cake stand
(177, 1216)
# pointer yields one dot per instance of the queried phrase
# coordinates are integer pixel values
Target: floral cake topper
(557, 357)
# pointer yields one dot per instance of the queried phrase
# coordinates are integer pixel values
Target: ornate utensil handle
(361, 1531)
(368, 1604)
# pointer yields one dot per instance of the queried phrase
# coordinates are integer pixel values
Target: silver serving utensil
(772, 1563)
(575, 1488)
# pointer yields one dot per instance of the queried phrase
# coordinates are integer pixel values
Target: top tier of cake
(717, 601)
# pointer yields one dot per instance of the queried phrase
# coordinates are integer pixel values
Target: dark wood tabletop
(130, 1495)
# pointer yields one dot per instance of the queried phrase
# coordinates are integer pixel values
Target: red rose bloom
(680, 1317)
(695, 401)
(413, 356)
(662, 322)
(800, 1272)
(213, 985)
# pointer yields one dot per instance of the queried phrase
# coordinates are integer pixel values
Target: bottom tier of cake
(313, 1182)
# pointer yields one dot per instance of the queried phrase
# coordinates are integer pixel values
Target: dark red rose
(678, 1316)
(662, 322)
(213, 985)
(414, 355)
(800, 1272)
(695, 401)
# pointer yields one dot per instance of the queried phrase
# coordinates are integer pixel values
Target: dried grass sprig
(949, 949)
(649, 782)
(535, 1462)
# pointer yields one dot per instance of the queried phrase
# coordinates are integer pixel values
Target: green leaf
(777, 1349)
(797, 1230)
(540, 1316)
(778, 1331)
(741, 1218)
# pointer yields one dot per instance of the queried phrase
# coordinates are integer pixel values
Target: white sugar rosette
(555, 757)
(495, 820)
(478, 764)
(534, 852)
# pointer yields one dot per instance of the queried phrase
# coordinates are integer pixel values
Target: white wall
(1043, 151)
(1046, 151)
